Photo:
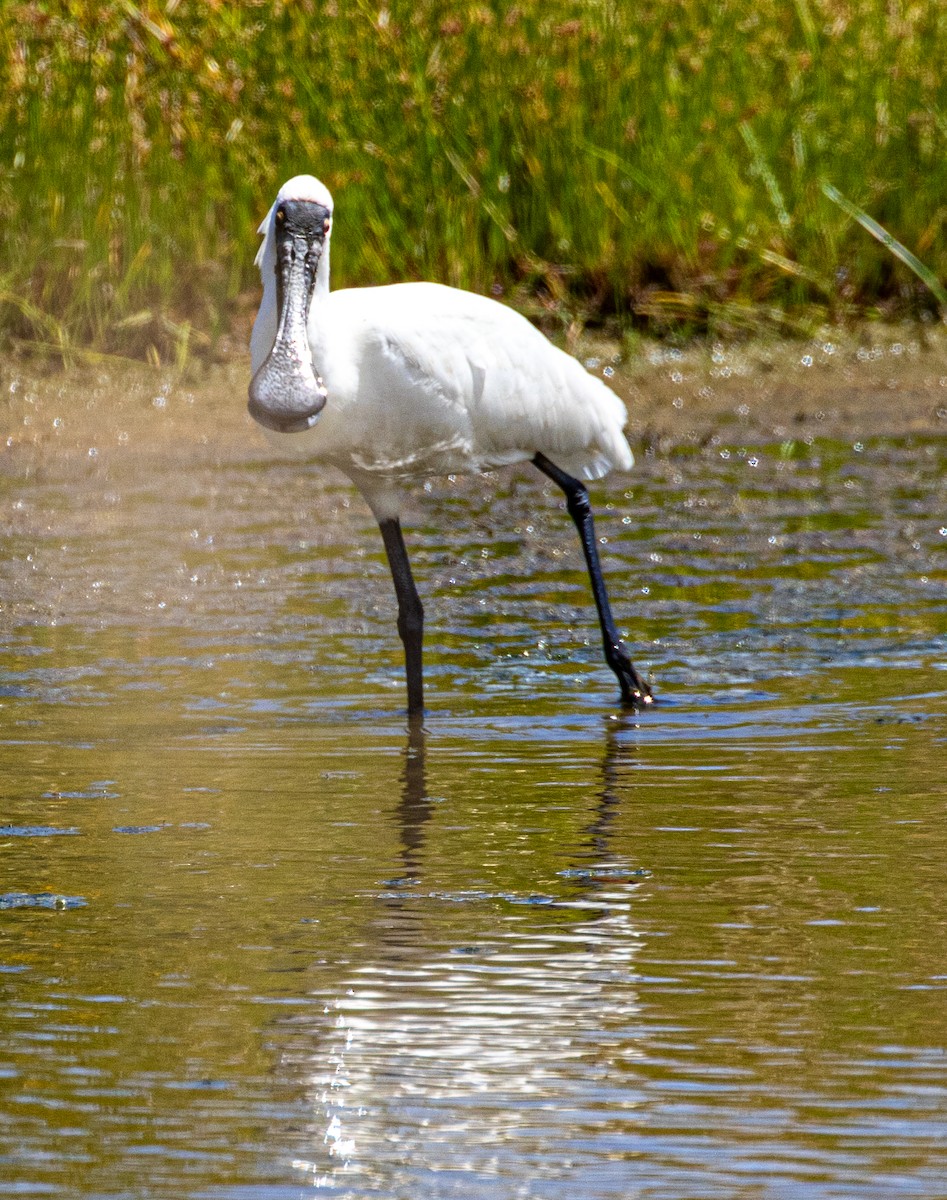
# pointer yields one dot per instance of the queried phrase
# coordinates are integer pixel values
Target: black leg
(633, 689)
(410, 611)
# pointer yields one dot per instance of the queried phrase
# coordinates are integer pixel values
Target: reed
(667, 163)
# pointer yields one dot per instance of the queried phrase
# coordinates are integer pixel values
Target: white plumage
(424, 379)
(392, 383)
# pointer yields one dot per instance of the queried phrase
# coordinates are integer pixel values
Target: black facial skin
(285, 393)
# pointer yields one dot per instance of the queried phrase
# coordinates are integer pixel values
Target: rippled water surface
(258, 941)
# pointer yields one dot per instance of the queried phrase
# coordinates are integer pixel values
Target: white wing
(433, 378)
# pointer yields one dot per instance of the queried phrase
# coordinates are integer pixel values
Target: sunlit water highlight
(256, 941)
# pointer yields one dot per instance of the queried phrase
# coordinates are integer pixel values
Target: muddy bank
(892, 385)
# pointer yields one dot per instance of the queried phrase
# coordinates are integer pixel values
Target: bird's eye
(325, 225)
(280, 215)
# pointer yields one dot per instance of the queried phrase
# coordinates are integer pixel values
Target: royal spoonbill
(394, 383)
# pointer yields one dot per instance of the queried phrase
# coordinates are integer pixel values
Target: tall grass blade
(765, 173)
(793, 268)
(804, 13)
(620, 164)
(477, 192)
(924, 273)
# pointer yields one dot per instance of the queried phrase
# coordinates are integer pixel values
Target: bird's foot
(638, 698)
(634, 691)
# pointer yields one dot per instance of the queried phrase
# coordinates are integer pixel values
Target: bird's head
(285, 393)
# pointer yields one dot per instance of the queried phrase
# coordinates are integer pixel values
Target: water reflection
(415, 806)
(615, 762)
(444, 1053)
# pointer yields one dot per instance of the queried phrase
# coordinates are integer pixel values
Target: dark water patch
(40, 900)
(36, 831)
(95, 791)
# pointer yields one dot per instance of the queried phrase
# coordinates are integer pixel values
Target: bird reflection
(400, 917)
(414, 807)
(468, 1009)
(615, 761)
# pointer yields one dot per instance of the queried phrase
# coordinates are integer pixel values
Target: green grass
(670, 164)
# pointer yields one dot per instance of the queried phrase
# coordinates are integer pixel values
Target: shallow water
(257, 941)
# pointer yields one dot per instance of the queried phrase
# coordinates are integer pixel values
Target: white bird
(394, 383)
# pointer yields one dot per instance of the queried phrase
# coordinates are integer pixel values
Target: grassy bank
(670, 163)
